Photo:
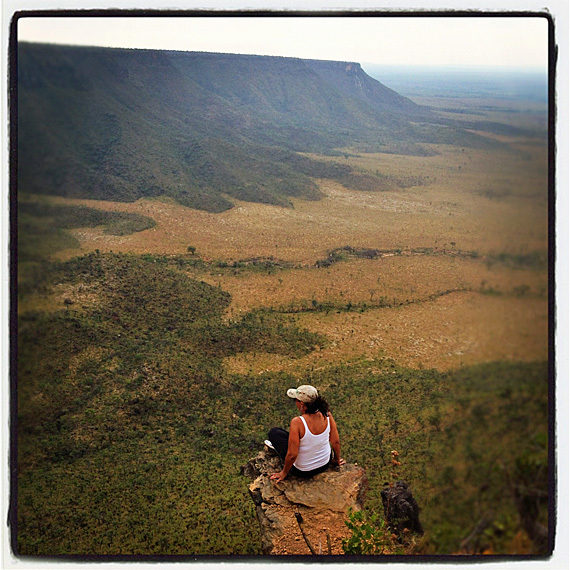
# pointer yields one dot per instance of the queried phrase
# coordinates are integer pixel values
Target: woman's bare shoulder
(296, 422)
(297, 428)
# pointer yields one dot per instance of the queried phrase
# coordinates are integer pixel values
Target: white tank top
(314, 450)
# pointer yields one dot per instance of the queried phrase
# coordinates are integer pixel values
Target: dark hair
(319, 404)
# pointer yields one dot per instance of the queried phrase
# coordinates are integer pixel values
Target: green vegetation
(348, 252)
(131, 432)
(216, 126)
(254, 264)
(316, 306)
(128, 399)
(67, 217)
(42, 226)
(370, 536)
(43, 229)
(459, 435)
(534, 260)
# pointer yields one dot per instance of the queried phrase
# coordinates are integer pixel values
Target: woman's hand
(340, 462)
(278, 477)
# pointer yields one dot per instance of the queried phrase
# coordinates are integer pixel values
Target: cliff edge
(297, 515)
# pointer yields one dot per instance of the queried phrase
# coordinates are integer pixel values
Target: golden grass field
(487, 202)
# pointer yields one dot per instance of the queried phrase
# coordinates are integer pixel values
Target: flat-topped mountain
(119, 124)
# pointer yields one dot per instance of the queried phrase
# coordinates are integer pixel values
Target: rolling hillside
(202, 128)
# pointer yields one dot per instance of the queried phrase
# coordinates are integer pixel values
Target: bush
(370, 536)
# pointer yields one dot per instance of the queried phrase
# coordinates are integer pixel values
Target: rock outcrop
(297, 512)
(401, 510)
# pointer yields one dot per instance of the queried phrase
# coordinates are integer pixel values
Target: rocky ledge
(303, 516)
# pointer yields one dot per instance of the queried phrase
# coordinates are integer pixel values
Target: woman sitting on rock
(312, 444)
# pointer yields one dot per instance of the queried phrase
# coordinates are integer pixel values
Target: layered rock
(296, 513)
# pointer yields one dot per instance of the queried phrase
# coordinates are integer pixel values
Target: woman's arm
(335, 443)
(292, 450)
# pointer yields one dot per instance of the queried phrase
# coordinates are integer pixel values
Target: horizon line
(423, 66)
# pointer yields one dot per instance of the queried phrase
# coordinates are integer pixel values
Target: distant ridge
(203, 128)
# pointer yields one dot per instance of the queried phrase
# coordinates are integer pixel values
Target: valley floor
(465, 282)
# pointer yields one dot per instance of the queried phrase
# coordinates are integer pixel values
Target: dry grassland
(449, 332)
(398, 279)
(454, 206)
(488, 202)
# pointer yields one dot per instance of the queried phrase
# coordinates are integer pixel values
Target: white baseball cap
(303, 393)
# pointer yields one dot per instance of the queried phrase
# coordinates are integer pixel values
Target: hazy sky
(520, 42)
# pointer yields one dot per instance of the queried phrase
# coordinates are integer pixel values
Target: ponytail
(319, 404)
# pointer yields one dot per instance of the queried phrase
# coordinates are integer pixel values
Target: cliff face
(315, 508)
(117, 124)
(352, 81)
